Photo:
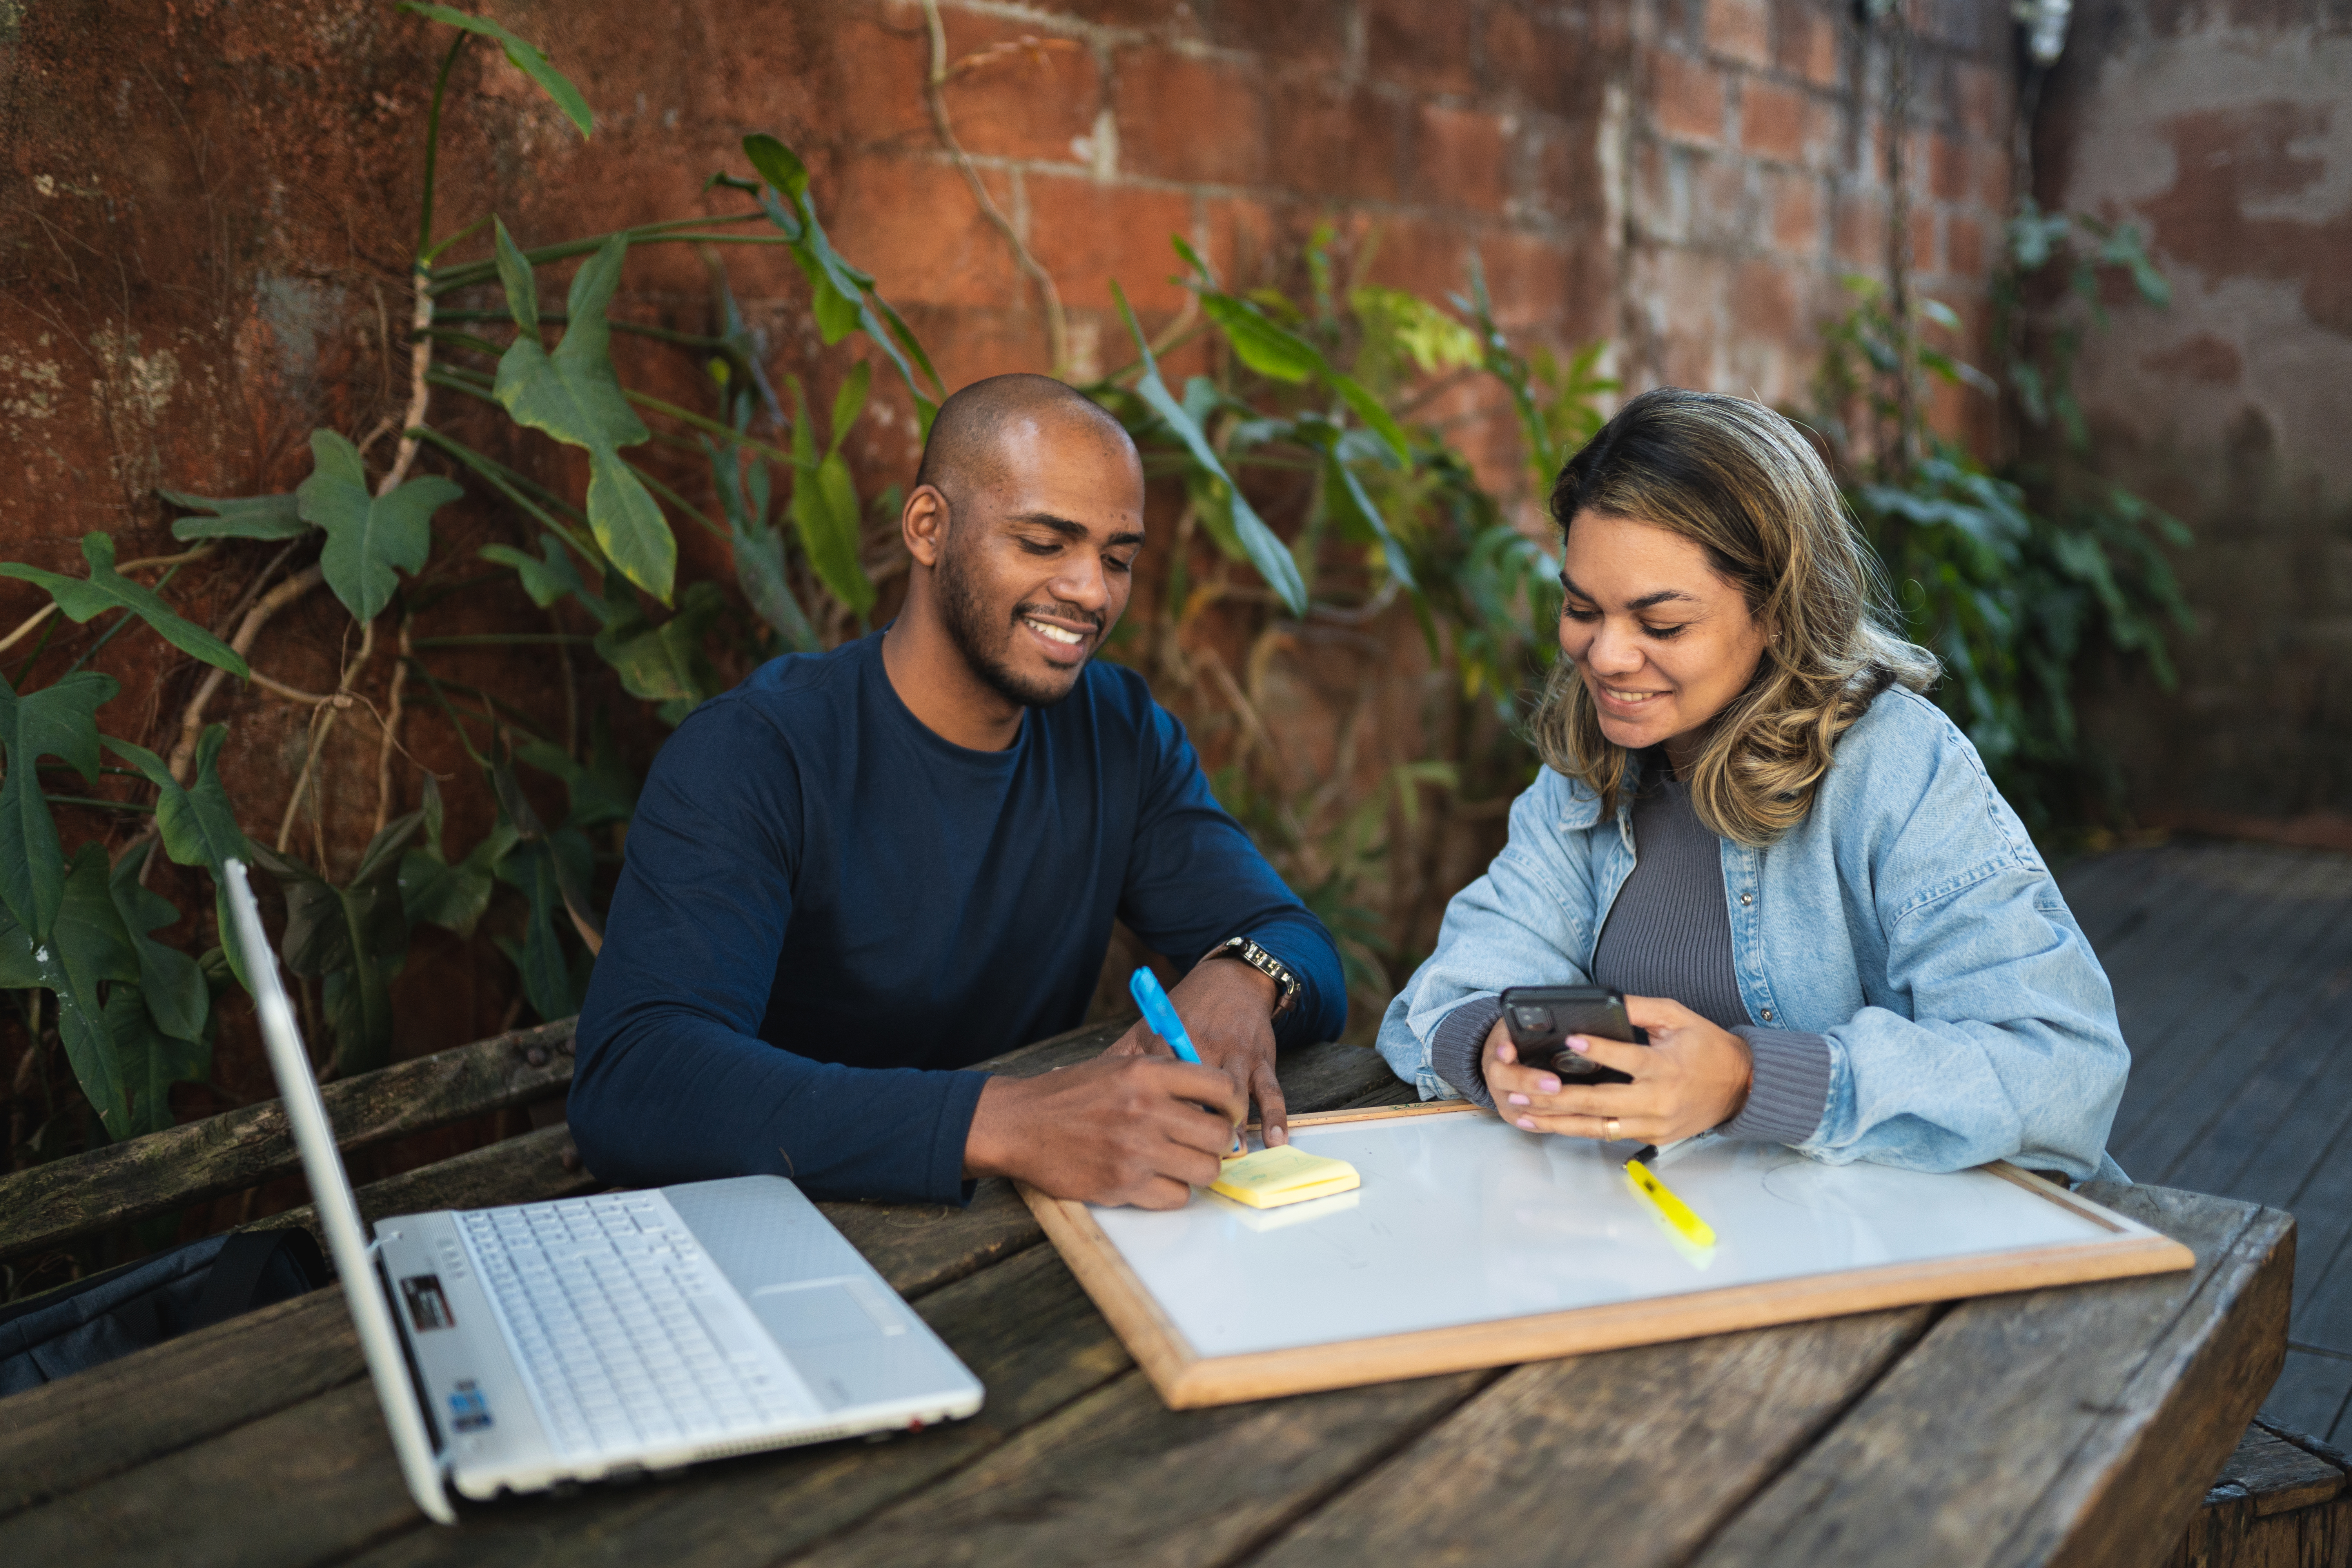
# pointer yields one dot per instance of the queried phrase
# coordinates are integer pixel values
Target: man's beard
(983, 645)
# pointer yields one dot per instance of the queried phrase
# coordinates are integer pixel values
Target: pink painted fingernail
(1547, 1085)
(1579, 1045)
(1521, 1100)
(1528, 1122)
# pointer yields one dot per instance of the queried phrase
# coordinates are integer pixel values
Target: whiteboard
(1470, 1234)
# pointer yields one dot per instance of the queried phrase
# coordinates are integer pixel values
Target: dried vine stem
(420, 392)
(192, 720)
(322, 724)
(391, 724)
(1058, 324)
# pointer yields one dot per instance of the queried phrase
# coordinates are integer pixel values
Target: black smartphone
(1542, 1017)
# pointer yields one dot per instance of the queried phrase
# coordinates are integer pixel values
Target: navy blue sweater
(826, 907)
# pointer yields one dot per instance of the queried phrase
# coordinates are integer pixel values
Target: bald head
(972, 436)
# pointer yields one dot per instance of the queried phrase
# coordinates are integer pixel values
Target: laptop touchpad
(818, 1312)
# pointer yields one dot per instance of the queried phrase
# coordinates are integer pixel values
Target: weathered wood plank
(69, 1434)
(1120, 1477)
(2279, 1502)
(2279, 1120)
(2077, 1426)
(1635, 1455)
(2211, 989)
(205, 1383)
(538, 1165)
(309, 1483)
(2311, 1393)
(165, 1171)
(1024, 1327)
(2219, 1061)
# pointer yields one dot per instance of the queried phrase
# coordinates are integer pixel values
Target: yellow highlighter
(1675, 1211)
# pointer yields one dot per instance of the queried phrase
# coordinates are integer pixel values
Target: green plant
(132, 1014)
(1312, 407)
(2011, 572)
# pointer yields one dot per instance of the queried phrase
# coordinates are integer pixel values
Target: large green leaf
(547, 576)
(88, 946)
(197, 825)
(353, 938)
(151, 1059)
(536, 870)
(453, 897)
(106, 589)
(665, 663)
(1265, 348)
(58, 721)
(600, 790)
(171, 981)
(759, 548)
(825, 510)
(526, 58)
(368, 535)
(574, 395)
(1265, 552)
(842, 295)
(243, 517)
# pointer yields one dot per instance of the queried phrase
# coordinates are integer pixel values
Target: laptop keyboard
(622, 1324)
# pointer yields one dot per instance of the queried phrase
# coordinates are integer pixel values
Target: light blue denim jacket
(1907, 919)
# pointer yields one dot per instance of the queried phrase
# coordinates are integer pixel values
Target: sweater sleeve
(1790, 1093)
(673, 1082)
(1194, 879)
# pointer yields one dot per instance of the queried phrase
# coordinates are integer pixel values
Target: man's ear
(923, 524)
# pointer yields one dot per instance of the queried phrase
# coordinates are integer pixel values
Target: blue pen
(1160, 1014)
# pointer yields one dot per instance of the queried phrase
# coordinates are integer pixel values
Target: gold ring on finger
(1610, 1127)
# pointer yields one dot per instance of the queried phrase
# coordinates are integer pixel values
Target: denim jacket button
(1767, 1014)
(1747, 897)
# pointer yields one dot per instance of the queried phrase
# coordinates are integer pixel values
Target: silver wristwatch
(1286, 984)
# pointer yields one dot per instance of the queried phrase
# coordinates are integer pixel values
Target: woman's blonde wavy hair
(1746, 486)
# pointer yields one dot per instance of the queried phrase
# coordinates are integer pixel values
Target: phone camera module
(1531, 1019)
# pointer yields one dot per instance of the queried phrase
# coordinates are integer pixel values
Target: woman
(1835, 931)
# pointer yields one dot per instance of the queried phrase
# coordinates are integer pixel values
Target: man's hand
(1692, 1076)
(1228, 1009)
(1134, 1130)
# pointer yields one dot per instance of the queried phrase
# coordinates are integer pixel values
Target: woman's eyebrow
(1646, 601)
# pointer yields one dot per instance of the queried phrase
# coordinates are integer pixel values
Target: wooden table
(2075, 1426)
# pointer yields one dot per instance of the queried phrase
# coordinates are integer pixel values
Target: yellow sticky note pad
(1272, 1177)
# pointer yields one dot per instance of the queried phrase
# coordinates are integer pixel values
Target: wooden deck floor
(2231, 965)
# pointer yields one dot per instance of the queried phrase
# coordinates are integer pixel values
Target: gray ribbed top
(1669, 935)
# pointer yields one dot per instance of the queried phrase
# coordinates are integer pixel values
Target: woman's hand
(1691, 1077)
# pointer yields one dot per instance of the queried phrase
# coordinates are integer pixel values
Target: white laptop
(604, 1337)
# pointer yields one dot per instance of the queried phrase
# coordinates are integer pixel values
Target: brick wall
(2222, 131)
(205, 226)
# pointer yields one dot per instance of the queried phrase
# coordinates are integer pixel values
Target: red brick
(1533, 279)
(1964, 246)
(1086, 234)
(914, 224)
(1740, 30)
(1809, 44)
(1303, 37)
(1924, 256)
(1568, 177)
(1032, 102)
(1763, 301)
(1419, 44)
(1947, 169)
(1248, 241)
(1686, 98)
(1992, 178)
(1425, 256)
(1772, 121)
(1720, 204)
(1861, 233)
(1544, 65)
(875, 94)
(1340, 144)
(1981, 97)
(1459, 159)
(1796, 205)
(1191, 120)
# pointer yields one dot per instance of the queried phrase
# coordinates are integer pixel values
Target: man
(860, 870)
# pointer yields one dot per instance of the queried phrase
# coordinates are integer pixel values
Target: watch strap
(1287, 983)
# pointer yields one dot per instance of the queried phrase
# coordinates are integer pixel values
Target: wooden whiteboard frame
(1187, 1380)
